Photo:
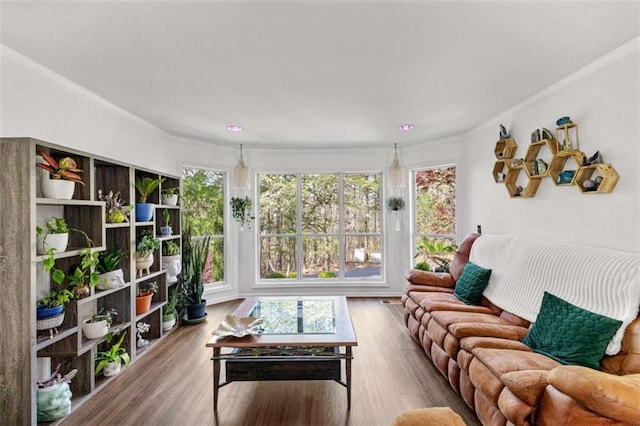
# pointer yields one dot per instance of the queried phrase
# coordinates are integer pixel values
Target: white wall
(602, 99)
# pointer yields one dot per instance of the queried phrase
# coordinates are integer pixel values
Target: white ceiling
(316, 73)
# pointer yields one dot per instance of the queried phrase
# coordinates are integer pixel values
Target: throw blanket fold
(600, 280)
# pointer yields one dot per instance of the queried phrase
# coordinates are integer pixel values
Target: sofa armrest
(434, 279)
(528, 385)
(609, 395)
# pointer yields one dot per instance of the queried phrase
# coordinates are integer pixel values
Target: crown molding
(9, 53)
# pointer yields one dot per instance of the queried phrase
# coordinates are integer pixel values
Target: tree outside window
(203, 210)
(435, 212)
(320, 226)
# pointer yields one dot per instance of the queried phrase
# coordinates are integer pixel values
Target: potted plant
(53, 304)
(169, 312)
(116, 208)
(171, 260)
(241, 210)
(111, 275)
(144, 252)
(56, 237)
(111, 360)
(53, 399)
(98, 324)
(85, 275)
(166, 230)
(194, 258)
(437, 252)
(145, 187)
(62, 177)
(144, 294)
(395, 203)
(169, 196)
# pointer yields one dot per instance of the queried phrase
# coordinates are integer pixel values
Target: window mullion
(299, 225)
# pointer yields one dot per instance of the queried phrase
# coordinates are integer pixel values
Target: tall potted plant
(63, 175)
(145, 187)
(169, 312)
(194, 258)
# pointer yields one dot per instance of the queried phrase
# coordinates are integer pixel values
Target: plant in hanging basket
(395, 203)
(116, 208)
(66, 168)
(241, 210)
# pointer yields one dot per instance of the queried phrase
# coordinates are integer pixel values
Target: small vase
(58, 242)
(53, 402)
(169, 200)
(58, 189)
(143, 263)
(144, 212)
(111, 279)
(166, 231)
(111, 369)
(80, 292)
(143, 304)
(115, 217)
(168, 321)
(95, 330)
(173, 266)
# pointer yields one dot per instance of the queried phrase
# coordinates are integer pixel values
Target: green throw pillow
(569, 334)
(472, 283)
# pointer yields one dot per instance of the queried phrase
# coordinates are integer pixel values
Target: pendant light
(396, 171)
(241, 174)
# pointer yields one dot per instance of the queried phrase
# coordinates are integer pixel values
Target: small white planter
(111, 369)
(58, 242)
(95, 330)
(170, 200)
(173, 266)
(168, 321)
(59, 189)
(111, 280)
(144, 263)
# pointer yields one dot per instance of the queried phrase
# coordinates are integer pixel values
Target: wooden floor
(172, 383)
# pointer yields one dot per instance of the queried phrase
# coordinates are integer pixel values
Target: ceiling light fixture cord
(396, 171)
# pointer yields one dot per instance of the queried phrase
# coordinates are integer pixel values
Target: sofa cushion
(570, 334)
(528, 385)
(448, 302)
(472, 283)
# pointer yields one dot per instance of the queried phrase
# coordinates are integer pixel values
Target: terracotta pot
(143, 304)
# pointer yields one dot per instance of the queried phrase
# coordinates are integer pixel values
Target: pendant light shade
(241, 174)
(396, 171)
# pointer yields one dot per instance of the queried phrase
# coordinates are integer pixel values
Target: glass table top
(296, 316)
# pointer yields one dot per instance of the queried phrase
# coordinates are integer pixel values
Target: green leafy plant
(172, 303)
(170, 248)
(194, 258)
(395, 203)
(146, 185)
(115, 207)
(241, 210)
(53, 225)
(168, 192)
(66, 168)
(56, 298)
(116, 354)
(327, 274)
(437, 251)
(86, 273)
(104, 314)
(109, 260)
(166, 216)
(146, 288)
(423, 266)
(275, 274)
(147, 244)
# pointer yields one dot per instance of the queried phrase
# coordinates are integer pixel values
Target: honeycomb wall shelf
(559, 158)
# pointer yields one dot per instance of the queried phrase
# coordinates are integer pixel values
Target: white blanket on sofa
(600, 280)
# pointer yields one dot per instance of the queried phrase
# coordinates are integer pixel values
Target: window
(203, 210)
(320, 226)
(434, 214)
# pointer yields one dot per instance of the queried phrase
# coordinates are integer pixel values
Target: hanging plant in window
(395, 204)
(241, 211)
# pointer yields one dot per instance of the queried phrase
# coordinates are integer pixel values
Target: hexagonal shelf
(533, 154)
(505, 148)
(605, 171)
(558, 164)
(511, 183)
(500, 169)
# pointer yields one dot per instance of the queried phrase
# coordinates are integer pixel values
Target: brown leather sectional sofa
(478, 349)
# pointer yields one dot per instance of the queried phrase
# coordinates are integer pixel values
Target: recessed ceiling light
(234, 128)
(407, 126)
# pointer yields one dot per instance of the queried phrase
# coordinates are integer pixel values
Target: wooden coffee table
(304, 338)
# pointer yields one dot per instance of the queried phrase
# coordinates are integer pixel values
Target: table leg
(348, 372)
(216, 377)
